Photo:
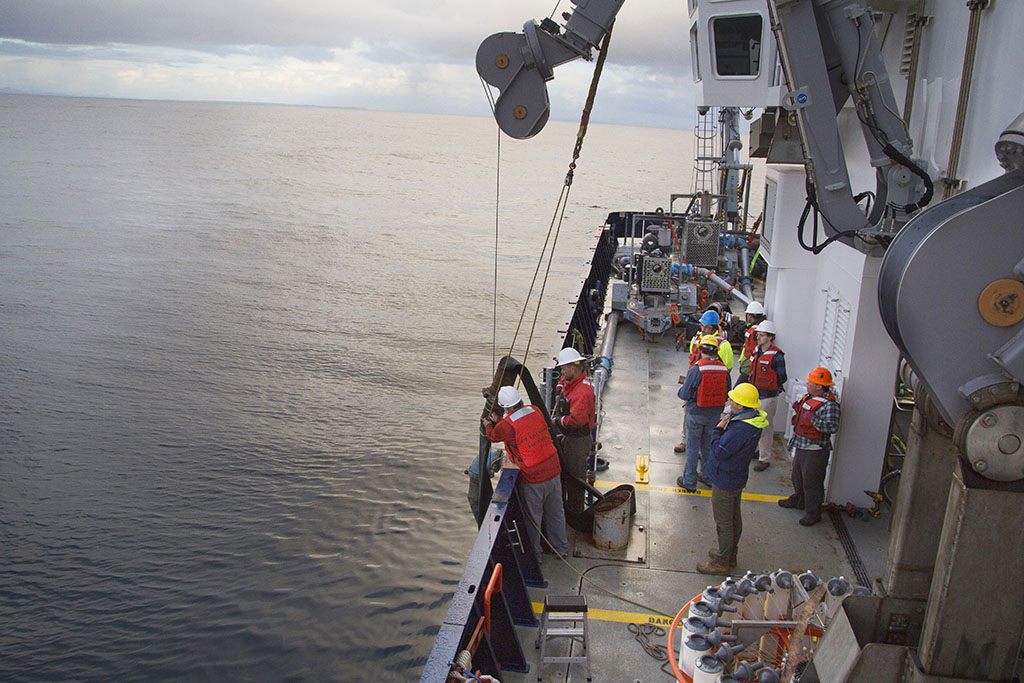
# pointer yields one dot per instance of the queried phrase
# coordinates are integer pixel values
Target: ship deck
(672, 530)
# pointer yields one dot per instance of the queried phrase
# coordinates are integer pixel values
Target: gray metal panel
(701, 242)
(974, 622)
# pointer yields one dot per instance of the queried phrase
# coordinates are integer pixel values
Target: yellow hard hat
(709, 340)
(746, 395)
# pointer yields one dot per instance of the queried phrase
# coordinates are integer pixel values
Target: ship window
(737, 42)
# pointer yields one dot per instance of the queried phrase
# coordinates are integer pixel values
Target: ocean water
(241, 349)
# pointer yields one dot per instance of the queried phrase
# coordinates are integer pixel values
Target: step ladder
(558, 621)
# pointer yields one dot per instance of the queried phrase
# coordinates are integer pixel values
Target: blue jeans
(698, 445)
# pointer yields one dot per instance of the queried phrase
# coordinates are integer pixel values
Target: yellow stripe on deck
(760, 497)
(618, 617)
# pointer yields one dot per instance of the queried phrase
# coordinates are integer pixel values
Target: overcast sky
(400, 55)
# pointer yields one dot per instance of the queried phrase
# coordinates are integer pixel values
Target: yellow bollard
(643, 464)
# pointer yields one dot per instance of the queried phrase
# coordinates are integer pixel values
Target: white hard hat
(567, 356)
(767, 326)
(508, 397)
(755, 308)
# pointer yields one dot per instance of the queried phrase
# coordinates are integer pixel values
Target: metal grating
(657, 275)
(701, 245)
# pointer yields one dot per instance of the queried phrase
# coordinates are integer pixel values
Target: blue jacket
(688, 392)
(733, 447)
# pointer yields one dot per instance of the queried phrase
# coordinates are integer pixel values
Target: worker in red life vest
(529, 446)
(755, 314)
(815, 420)
(768, 374)
(709, 324)
(705, 391)
(574, 417)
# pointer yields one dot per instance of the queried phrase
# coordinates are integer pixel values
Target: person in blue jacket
(733, 444)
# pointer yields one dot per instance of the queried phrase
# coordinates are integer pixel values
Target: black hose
(902, 160)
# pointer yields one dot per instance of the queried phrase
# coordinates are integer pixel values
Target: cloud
(392, 55)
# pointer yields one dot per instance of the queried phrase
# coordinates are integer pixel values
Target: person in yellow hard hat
(815, 420)
(709, 325)
(733, 444)
(705, 391)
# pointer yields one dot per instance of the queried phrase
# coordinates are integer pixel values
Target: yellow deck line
(618, 617)
(760, 497)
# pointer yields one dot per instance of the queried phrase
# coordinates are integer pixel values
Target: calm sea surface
(241, 348)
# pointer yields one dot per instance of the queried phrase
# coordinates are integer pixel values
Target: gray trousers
(577, 457)
(725, 506)
(543, 503)
(809, 479)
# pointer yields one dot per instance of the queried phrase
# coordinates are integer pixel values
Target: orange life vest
(762, 375)
(714, 383)
(533, 443)
(803, 417)
(749, 340)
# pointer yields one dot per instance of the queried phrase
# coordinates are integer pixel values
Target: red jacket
(580, 393)
(529, 444)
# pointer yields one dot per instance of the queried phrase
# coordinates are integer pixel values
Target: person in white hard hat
(768, 374)
(755, 314)
(530, 448)
(575, 418)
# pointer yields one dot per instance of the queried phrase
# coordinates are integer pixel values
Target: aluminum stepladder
(558, 621)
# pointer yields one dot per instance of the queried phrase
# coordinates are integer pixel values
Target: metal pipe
(745, 271)
(724, 284)
(976, 7)
(604, 366)
(915, 57)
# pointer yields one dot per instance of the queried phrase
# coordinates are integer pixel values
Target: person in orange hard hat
(815, 420)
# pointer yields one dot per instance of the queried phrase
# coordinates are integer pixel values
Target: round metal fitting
(993, 445)
(519, 112)
(501, 61)
(1002, 302)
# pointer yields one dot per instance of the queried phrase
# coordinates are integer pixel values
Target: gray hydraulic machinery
(830, 54)
(519, 64)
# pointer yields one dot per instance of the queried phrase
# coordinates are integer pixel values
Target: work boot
(761, 466)
(683, 486)
(791, 502)
(713, 553)
(713, 567)
(809, 520)
(680, 447)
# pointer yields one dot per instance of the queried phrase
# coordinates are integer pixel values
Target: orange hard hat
(821, 376)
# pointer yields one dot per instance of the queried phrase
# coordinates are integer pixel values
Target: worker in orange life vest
(529, 446)
(755, 314)
(575, 418)
(709, 324)
(815, 420)
(705, 391)
(768, 374)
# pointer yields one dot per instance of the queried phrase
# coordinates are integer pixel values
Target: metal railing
(479, 630)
